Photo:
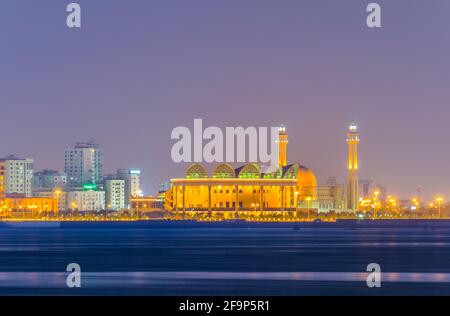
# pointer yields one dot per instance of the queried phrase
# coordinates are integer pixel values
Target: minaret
(352, 189)
(282, 146)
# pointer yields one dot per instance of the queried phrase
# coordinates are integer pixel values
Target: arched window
(249, 171)
(277, 174)
(196, 171)
(290, 172)
(224, 171)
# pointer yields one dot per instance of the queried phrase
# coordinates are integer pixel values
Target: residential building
(131, 178)
(115, 194)
(49, 179)
(84, 164)
(16, 175)
(86, 200)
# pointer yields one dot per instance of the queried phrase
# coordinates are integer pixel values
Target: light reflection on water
(127, 279)
(217, 261)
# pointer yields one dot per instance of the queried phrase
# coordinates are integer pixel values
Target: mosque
(248, 188)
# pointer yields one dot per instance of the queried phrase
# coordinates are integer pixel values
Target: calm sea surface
(175, 259)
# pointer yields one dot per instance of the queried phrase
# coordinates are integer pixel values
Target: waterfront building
(330, 197)
(49, 180)
(147, 203)
(365, 189)
(20, 206)
(164, 186)
(57, 194)
(84, 164)
(16, 176)
(245, 188)
(115, 194)
(382, 193)
(352, 187)
(86, 199)
(132, 183)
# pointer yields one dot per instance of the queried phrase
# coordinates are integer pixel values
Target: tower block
(282, 146)
(352, 189)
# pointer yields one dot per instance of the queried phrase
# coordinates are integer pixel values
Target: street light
(308, 199)
(375, 202)
(57, 192)
(139, 192)
(439, 200)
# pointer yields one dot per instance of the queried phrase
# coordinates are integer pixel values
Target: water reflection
(127, 279)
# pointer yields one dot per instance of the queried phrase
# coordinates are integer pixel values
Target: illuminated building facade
(27, 205)
(49, 180)
(245, 188)
(132, 183)
(88, 199)
(57, 194)
(84, 164)
(115, 194)
(352, 188)
(17, 176)
(147, 203)
(331, 196)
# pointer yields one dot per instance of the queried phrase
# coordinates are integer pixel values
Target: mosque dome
(305, 177)
(307, 183)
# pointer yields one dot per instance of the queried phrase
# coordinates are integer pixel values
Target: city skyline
(93, 149)
(315, 77)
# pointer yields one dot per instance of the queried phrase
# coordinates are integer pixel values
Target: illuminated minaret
(282, 146)
(352, 189)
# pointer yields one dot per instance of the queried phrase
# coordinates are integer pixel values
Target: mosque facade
(248, 188)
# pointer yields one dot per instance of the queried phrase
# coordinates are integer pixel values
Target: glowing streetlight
(308, 199)
(439, 200)
(375, 202)
(57, 193)
(139, 192)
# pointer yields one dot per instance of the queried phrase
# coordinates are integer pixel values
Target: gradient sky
(139, 68)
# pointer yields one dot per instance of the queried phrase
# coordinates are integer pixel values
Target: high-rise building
(132, 183)
(352, 188)
(365, 188)
(2, 179)
(16, 175)
(115, 194)
(84, 164)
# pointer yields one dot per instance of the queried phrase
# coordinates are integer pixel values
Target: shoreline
(181, 224)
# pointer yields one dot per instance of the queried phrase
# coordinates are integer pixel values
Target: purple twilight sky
(136, 69)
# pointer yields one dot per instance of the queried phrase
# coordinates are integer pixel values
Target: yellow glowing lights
(282, 146)
(352, 141)
(439, 200)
